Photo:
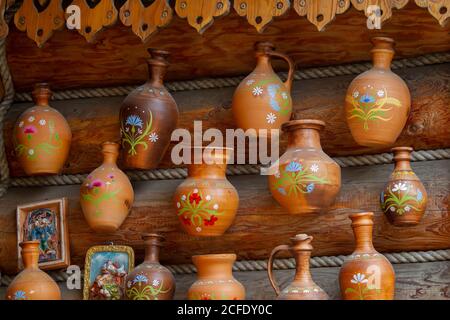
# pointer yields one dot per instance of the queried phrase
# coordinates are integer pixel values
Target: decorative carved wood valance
(39, 18)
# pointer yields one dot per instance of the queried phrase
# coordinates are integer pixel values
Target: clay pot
(206, 202)
(366, 274)
(42, 136)
(106, 195)
(215, 279)
(150, 280)
(262, 100)
(404, 199)
(148, 116)
(303, 287)
(32, 283)
(307, 180)
(378, 101)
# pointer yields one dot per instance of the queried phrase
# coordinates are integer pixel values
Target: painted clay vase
(215, 279)
(303, 287)
(378, 101)
(404, 199)
(150, 280)
(366, 274)
(148, 116)
(206, 202)
(32, 283)
(106, 195)
(307, 180)
(42, 136)
(262, 100)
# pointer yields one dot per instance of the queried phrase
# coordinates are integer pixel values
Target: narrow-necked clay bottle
(404, 199)
(262, 100)
(378, 101)
(366, 274)
(150, 280)
(42, 136)
(148, 116)
(106, 195)
(215, 279)
(307, 180)
(32, 283)
(303, 287)
(206, 202)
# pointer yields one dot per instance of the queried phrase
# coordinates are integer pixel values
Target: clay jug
(262, 100)
(150, 280)
(366, 274)
(378, 101)
(106, 195)
(206, 202)
(32, 283)
(307, 180)
(42, 136)
(404, 199)
(215, 279)
(148, 116)
(303, 287)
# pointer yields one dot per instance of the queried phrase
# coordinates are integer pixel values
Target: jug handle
(290, 62)
(282, 247)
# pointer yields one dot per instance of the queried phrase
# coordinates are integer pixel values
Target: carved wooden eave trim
(200, 14)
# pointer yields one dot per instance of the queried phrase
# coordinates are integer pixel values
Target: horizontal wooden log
(260, 224)
(96, 120)
(226, 49)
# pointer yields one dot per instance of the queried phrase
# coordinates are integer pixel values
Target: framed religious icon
(45, 221)
(105, 271)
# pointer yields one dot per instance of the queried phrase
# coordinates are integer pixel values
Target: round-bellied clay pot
(32, 283)
(378, 101)
(303, 287)
(262, 100)
(307, 180)
(404, 199)
(148, 116)
(106, 195)
(206, 202)
(42, 136)
(150, 280)
(366, 274)
(215, 279)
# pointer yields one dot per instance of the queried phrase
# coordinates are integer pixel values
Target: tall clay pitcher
(378, 101)
(303, 287)
(366, 274)
(262, 100)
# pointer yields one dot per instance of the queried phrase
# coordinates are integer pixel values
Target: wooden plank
(118, 56)
(260, 224)
(96, 120)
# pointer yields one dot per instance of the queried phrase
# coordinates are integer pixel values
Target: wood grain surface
(94, 121)
(226, 49)
(260, 224)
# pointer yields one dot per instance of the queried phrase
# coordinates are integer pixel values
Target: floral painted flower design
(20, 295)
(399, 187)
(31, 119)
(314, 167)
(359, 278)
(153, 137)
(360, 287)
(140, 278)
(143, 291)
(29, 130)
(400, 199)
(271, 118)
(42, 122)
(97, 191)
(134, 134)
(134, 121)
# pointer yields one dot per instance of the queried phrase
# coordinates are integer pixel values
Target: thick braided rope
(210, 83)
(285, 264)
(232, 170)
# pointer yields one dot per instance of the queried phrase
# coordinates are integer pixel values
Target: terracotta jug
(262, 100)
(215, 279)
(366, 274)
(106, 195)
(378, 101)
(32, 283)
(42, 136)
(303, 287)
(150, 280)
(307, 180)
(404, 199)
(206, 202)
(148, 116)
